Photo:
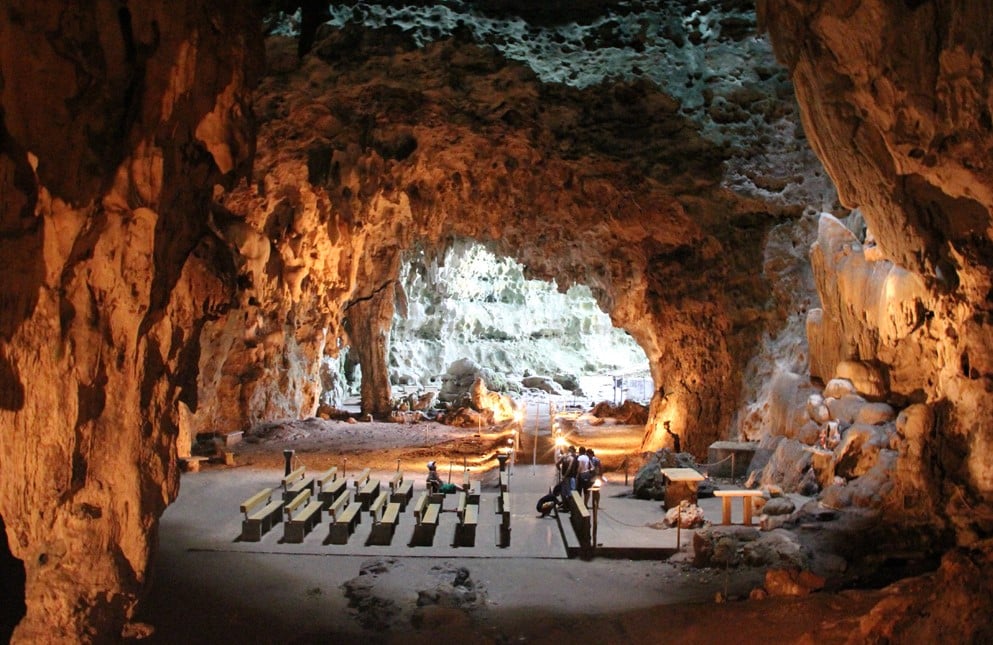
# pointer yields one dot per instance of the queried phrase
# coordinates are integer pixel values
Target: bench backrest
(577, 501)
(421, 504)
(471, 515)
(339, 503)
(462, 499)
(297, 502)
(396, 480)
(362, 478)
(379, 503)
(259, 498)
(328, 475)
(295, 475)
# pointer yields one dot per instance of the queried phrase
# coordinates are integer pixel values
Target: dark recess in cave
(12, 605)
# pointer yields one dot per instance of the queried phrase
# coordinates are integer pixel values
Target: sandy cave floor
(216, 595)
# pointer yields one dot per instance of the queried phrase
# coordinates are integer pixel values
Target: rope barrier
(716, 463)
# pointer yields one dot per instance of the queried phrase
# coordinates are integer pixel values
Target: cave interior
(785, 204)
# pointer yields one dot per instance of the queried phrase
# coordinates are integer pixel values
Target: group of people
(578, 471)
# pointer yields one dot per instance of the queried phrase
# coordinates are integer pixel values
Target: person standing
(567, 469)
(584, 474)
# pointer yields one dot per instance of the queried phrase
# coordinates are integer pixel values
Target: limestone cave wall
(896, 100)
(117, 120)
(659, 198)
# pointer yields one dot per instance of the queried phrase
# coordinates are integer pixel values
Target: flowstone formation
(896, 100)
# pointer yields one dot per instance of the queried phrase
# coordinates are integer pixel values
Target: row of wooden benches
(303, 513)
(299, 502)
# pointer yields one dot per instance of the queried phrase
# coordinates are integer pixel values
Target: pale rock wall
(468, 303)
(896, 100)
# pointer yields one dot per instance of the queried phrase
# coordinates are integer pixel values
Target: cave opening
(12, 587)
(469, 307)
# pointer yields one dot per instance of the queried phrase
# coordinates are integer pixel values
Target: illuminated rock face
(117, 121)
(896, 100)
(661, 206)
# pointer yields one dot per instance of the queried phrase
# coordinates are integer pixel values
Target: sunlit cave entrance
(467, 311)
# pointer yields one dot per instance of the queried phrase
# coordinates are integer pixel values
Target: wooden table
(680, 484)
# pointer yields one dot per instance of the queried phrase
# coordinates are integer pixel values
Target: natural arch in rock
(354, 168)
(465, 302)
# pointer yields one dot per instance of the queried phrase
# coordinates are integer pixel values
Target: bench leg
(251, 531)
(747, 509)
(339, 532)
(725, 510)
(294, 532)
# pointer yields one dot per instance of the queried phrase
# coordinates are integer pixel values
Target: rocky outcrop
(116, 124)
(895, 100)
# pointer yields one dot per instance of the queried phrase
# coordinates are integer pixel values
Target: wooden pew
(362, 478)
(746, 503)
(261, 514)
(295, 483)
(465, 530)
(425, 529)
(302, 514)
(344, 525)
(368, 494)
(504, 482)
(377, 507)
(383, 530)
(420, 506)
(331, 491)
(579, 516)
(460, 506)
(469, 490)
(338, 505)
(403, 494)
(395, 481)
(329, 475)
(503, 508)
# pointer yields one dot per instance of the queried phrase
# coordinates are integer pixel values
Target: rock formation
(117, 123)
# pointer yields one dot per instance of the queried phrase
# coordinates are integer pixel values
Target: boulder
(543, 383)
(791, 582)
(867, 379)
(859, 450)
(875, 414)
(720, 545)
(787, 465)
(776, 548)
(846, 408)
(779, 506)
(809, 433)
(816, 410)
(838, 387)
(686, 515)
